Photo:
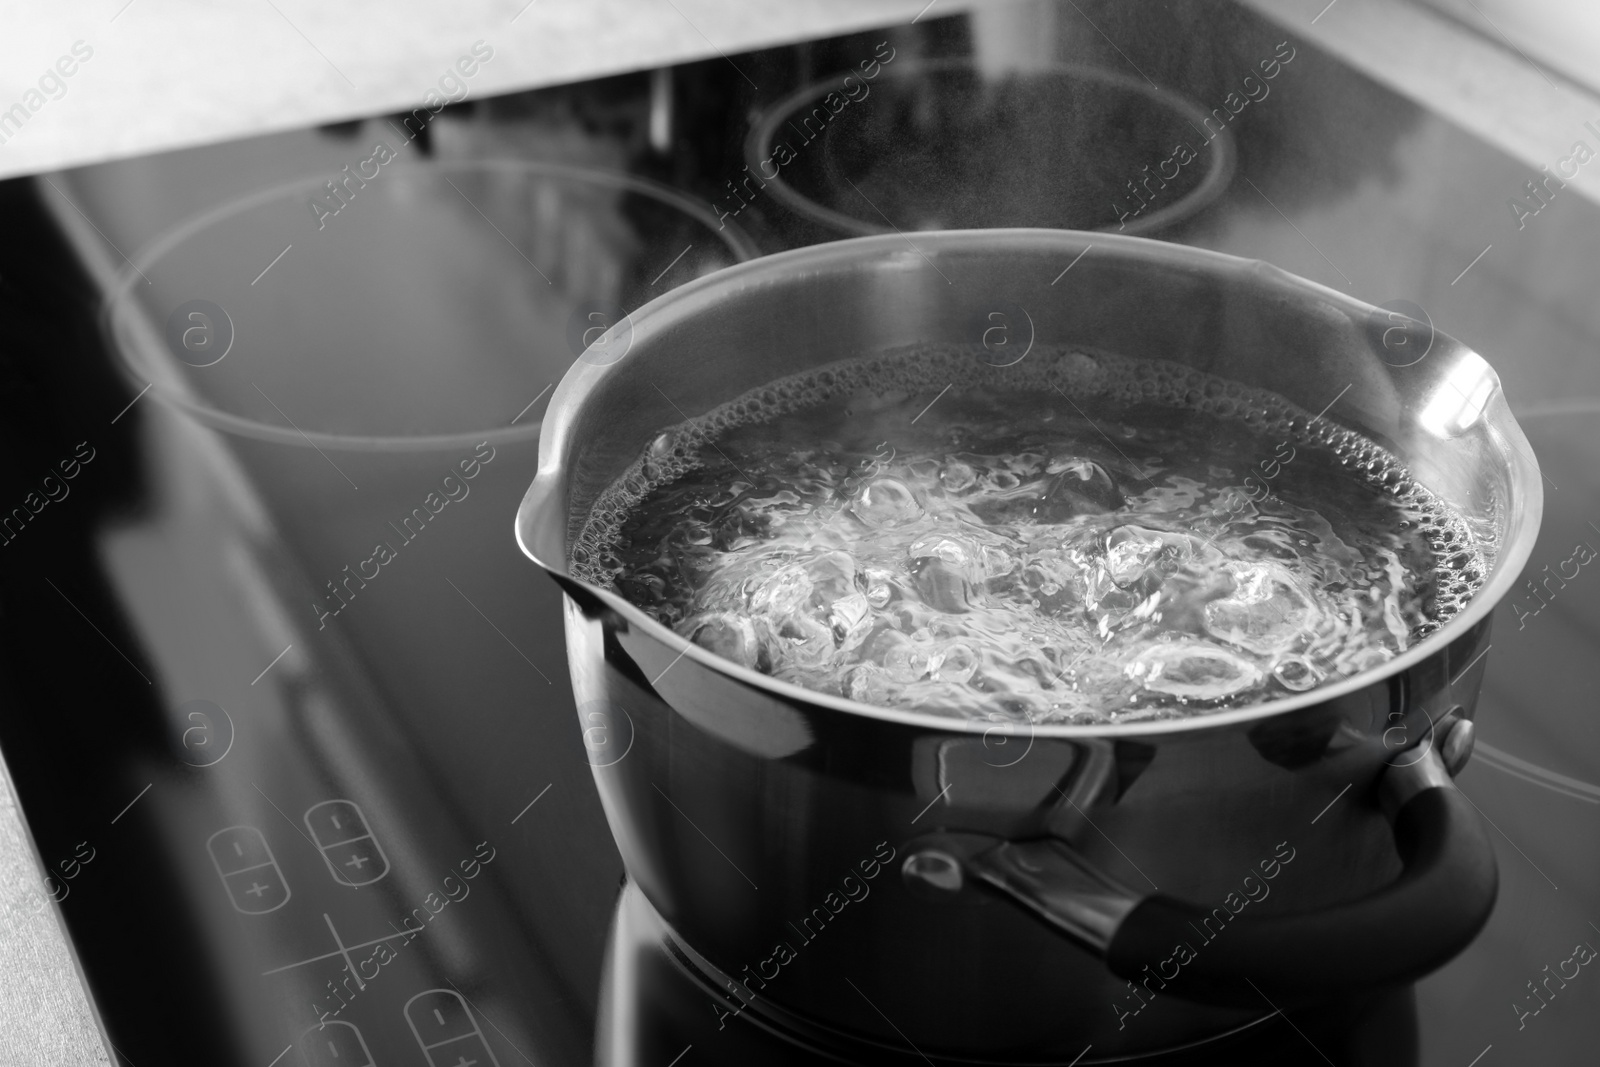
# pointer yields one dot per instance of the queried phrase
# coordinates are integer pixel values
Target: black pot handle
(1390, 936)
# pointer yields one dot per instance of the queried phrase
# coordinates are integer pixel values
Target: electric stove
(290, 817)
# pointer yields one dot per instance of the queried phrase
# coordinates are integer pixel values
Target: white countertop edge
(165, 74)
(47, 1015)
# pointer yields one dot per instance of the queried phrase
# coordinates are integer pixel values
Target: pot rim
(700, 295)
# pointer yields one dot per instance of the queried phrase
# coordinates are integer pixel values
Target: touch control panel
(352, 854)
(446, 1030)
(334, 1044)
(245, 863)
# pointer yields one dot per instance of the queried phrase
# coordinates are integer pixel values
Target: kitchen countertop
(151, 75)
(48, 1017)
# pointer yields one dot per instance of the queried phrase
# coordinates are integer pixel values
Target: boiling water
(1080, 539)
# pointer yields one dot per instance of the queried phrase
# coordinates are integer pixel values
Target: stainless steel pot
(852, 873)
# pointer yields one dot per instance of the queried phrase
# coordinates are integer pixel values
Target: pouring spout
(541, 534)
(541, 521)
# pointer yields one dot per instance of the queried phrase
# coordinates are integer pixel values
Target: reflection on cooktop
(657, 1008)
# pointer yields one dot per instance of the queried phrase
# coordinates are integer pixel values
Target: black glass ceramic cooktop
(288, 711)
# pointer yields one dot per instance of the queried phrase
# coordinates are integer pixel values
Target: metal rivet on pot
(933, 869)
(1457, 747)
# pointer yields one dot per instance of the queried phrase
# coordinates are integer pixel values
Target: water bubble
(661, 446)
(1025, 464)
(886, 503)
(1268, 612)
(1193, 670)
(1296, 673)
(783, 592)
(733, 637)
(1054, 578)
(802, 641)
(1004, 481)
(868, 684)
(957, 476)
(950, 549)
(1082, 487)
(940, 584)
(957, 664)
(904, 661)
(832, 575)
(879, 586)
(659, 456)
(1138, 555)
(850, 619)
